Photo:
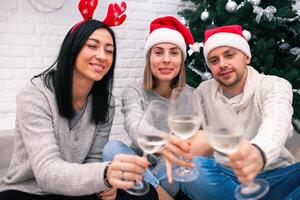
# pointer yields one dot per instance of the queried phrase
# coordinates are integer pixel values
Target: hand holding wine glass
(124, 170)
(184, 121)
(176, 146)
(151, 134)
(246, 162)
(225, 134)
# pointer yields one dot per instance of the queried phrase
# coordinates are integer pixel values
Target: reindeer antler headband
(115, 14)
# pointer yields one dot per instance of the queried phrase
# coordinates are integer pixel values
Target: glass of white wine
(151, 136)
(225, 133)
(184, 121)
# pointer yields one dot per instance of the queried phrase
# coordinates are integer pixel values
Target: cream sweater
(50, 158)
(265, 109)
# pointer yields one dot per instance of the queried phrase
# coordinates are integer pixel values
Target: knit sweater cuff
(270, 151)
(263, 155)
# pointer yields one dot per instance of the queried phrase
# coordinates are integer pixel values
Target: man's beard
(230, 84)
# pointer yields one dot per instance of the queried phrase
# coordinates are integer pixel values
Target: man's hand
(246, 162)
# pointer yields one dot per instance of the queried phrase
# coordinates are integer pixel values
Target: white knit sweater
(50, 158)
(265, 109)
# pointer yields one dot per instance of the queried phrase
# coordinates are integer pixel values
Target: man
(263, 103)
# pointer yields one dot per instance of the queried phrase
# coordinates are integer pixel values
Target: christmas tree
(272, 28)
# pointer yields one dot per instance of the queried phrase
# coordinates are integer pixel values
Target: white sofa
(7, 140)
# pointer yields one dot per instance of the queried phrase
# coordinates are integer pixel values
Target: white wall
(29, 43)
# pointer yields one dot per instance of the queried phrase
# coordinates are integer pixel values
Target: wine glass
(225, 133)
(184, 121)
(151, 135)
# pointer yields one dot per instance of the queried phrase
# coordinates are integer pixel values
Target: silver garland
(297, 91)
(297, 18)
(204, 75)
(191, 67)
(269, 12)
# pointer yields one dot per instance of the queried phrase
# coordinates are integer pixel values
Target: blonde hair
(150, 81)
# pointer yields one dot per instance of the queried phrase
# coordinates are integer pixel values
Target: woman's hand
(109, 194)
(246, 162)
(125, 170)
(176, 147)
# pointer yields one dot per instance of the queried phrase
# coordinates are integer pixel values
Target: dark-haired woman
(63, 120)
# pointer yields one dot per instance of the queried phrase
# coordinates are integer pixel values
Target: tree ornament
(206, 76)
(231, 6)
(283, 48)
(255, 2)
(195, 48)
(247, 34)
(268, 12)
(296, 52)
(204, 15)
(211, 26)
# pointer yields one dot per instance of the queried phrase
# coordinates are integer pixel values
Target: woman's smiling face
(96, 56)
(165, 61)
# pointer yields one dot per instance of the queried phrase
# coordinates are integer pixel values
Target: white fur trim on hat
(226, 39)
(165, 35)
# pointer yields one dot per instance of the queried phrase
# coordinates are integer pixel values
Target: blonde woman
(165, 53)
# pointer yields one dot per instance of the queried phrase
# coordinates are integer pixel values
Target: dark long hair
(62, 74)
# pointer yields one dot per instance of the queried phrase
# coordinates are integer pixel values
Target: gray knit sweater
(50, 158)
(135, 100)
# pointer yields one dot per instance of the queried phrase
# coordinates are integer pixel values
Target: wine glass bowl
(153, 128)
(224, 140)
(184, 126)
(151, 143)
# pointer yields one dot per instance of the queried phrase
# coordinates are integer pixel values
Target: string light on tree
(212, 25)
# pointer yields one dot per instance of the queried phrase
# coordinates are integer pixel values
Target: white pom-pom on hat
(247, 34)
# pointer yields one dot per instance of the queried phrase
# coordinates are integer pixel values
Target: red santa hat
(168, 29)
(230, 35)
